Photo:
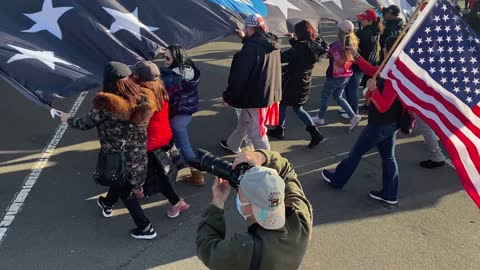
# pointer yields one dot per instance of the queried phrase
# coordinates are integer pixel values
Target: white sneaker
(345, 115)
(318, 121)
(354, 121)
(341, 110)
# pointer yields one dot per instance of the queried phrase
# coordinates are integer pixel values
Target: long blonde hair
(353, 43)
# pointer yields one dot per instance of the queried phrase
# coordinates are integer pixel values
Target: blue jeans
(301, 113)
(351, 90)
(179, 124)
(334, 87)
(383, 137)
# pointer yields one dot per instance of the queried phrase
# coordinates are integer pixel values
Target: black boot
(277, 132)
(316, 136)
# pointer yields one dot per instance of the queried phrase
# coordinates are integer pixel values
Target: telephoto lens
(212, 164)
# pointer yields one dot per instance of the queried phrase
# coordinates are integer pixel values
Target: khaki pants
(248, 125)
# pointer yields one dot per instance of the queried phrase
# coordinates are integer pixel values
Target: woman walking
(159, 134)
(369, 46)
(339, 72)
(121, 113)
(383, 122)
(181, 78)
(297, 79)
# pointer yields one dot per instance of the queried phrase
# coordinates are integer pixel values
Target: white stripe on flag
(425, 76)
(464, 155)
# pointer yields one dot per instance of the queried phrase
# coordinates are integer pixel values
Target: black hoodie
(368, 37)
(255, 79)
(392, 29)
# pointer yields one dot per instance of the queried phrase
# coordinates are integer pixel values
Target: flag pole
(399, 38)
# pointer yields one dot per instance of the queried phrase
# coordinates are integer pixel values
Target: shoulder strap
(257, 251)
(126, 126)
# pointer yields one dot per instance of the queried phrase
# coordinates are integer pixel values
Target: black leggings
(130, 202)
(162, 183)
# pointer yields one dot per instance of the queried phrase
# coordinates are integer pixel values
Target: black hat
(116, 71)
(392, 9)
(146, 71)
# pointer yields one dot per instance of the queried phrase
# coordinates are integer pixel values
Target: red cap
(369, 15)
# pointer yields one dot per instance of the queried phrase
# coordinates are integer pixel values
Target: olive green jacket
(282, 249)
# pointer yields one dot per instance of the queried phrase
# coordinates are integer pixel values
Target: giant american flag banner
(56, 48)
(435, 71)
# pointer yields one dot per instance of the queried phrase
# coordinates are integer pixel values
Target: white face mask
(239, 208)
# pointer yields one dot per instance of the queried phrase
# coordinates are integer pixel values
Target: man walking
(254, 84)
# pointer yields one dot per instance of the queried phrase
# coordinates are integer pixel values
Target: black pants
(158, 182)
(130, 202)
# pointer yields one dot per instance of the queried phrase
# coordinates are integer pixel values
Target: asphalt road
(435, 225)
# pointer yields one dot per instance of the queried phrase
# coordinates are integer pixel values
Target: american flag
(436, 73)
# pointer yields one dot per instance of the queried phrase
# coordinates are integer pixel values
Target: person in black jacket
(254, 84)
(369, 47)
(297, 78)
(392, 22)
(473, 18)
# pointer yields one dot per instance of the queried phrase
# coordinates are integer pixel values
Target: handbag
(169, 161)
(112, 168)
(177, 157)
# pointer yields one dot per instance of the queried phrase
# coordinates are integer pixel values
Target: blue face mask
(239, 208)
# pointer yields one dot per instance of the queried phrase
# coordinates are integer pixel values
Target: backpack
(407, 121)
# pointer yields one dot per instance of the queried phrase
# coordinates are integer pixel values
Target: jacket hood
(398, 22)
(119, 107)
(267, 40)
(188, 73)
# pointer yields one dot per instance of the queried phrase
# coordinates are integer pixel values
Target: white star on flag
(47, 19)
(127, 21)
(46, 57)
(283, 5)
(337, 2)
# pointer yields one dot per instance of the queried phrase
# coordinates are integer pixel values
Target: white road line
(16, 206)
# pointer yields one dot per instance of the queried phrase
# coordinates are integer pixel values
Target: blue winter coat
(183, 93)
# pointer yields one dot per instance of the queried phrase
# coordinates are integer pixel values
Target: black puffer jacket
(392, 29)
(473, 18)
(255, 75)
(297, 75)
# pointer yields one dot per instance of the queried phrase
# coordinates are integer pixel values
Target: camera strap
(257, 249)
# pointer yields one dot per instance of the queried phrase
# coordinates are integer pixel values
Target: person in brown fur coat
(121, 113)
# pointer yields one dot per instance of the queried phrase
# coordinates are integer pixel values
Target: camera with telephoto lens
(210, 163)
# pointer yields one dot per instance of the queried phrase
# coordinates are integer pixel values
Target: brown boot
(196, 179)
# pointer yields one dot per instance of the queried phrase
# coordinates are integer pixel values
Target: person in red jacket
(383, 122)
(159, 134)
(383, 102)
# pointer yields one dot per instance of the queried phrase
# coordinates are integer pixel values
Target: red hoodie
(158, 130)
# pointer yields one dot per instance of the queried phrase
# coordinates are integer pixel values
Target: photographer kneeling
(271, 197)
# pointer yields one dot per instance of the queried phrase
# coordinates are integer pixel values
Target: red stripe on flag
(451, 148)
(470, 146)
(438, 96)
(476, 110)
